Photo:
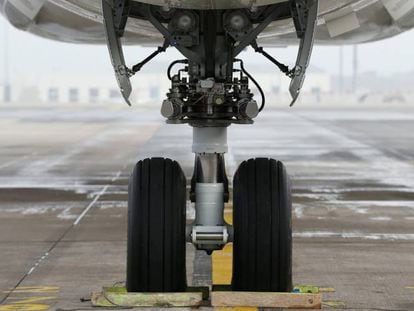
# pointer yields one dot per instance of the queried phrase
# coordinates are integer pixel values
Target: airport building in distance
(149, 87)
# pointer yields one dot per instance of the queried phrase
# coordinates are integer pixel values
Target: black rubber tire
(262, 220)
(156, 227)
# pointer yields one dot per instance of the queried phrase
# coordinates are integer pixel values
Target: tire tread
(156, 227)
(262, 249)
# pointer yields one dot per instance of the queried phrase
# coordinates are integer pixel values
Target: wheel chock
(302, 297)
(119, 297)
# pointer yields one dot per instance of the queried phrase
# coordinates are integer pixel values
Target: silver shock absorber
(209, 230)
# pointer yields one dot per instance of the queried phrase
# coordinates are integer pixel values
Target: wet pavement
(63, 191)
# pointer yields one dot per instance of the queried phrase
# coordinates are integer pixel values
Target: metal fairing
(115, 50)
(306, 35)
(80, 21)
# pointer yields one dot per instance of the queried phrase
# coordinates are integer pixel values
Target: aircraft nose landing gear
(210, 94)
(157, 231)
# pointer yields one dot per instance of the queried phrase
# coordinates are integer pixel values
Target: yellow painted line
(223, 264)
(327, 289)
(31, 300)
(24, 307)
(223, 260)
(27, 300)
(34, 289)
(228, 214)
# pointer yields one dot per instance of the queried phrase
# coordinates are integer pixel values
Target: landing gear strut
(209, 190)
(210, 92)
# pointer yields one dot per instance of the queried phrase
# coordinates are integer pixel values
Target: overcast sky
(31, 55)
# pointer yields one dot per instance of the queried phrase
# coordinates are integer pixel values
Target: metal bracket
(305, 14)
(115, 14)
(209, 235)
(275, 13)
(147, 12)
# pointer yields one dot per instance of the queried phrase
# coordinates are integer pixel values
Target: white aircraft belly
(80, 21)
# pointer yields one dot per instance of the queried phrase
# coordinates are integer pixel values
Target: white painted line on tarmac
(86, 210)
(116, 176)
(356, 235)
(381, 218)
(19, 159)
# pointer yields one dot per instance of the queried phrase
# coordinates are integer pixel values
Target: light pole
(355, 69)
(341, 69)
(7, 88)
